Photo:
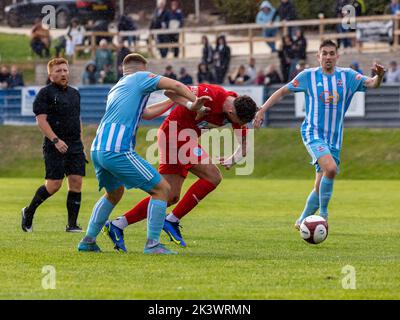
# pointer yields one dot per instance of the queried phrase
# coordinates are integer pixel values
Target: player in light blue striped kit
(328, 92)
(116, 163)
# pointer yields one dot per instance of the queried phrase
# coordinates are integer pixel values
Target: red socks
(192, 197)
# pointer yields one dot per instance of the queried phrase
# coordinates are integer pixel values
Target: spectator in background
(286, 55)
(122, 52)
(356, 67)
(300, 66)
(393, 7)
(101, 26)
(393, 73)
(345, 42)
(175, 21)
(185, 77)
(103, 56)
(266, 15)
(107, 75)
(90, 75)
(40, 39)
(74, 37)
(251, 72)
(16, 78)
(286, 12)
(4, 77)
(300, 45)
(222, 59)
(160, 21)
(204, 75)
(272, 75)
(169, 72)
(126, 23)
(239, 76)
(207, 52)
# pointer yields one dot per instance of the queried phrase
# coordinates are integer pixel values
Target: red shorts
(178, 157)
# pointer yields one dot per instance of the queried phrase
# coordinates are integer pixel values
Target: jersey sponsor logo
(340, 83)
(328, 97)
(295, 83)
(320, 148)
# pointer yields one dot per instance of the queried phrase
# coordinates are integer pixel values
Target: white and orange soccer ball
(314, 229)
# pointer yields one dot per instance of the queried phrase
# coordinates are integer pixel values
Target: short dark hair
(134, 58)
(328, 43)
(245, 108)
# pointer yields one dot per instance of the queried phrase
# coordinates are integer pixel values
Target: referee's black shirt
(62, 107)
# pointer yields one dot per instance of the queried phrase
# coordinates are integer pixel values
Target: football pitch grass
(241, 245)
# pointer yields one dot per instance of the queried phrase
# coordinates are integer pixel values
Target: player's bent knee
(115, 196)
(173, 200)
(161, 191)
(331, 171)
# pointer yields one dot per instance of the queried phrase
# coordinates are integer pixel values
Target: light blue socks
(100, 214)
(325, 194)
(155, 219)
(311, 207)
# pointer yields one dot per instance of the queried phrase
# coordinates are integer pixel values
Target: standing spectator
(287, 12)
(169, 73)
(126, 23)
(57, 109)
(122, 52)
(185, 77)
(74, 37)
(266, 15)
(107, 75)
(393, 7)
(175, 21)
(346, 42)
(222, 59)
(239, 77)
(16, 79)
(286, 55)
(160, 21)
(393, 74)
(300, 45)
(207, 53)
(103, 55)
(4, 77)
(204, 75)
(90, 75)
(251, 72)
(300, 66)
(40, 39)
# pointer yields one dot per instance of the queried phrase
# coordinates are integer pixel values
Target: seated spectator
(300, 66)
(4, 77)
(175, 21)
(393, 73)
(103, 55)
(265, 16)
(260, 77)
(90, 75)
(272, 75)
(122, 52)
(251, 72)
(184, 77)
(204, 75)
(356, 67)
(16, 79)
(239, 77)
(40, 39)
(126, 23)
(207, 52)
(107, 75)
(169, 73)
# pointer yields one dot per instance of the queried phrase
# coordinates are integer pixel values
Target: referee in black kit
(57, 110)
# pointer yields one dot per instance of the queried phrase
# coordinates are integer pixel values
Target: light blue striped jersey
(125, 104)
(327, 98)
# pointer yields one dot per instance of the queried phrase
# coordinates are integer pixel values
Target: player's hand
(199, 103)
(61, 146)
(226, 163)
(202, 112)
(259, 119)
(379, 70)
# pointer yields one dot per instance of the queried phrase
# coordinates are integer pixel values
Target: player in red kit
(181, 153)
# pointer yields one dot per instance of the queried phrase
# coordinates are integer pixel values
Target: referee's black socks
(40, 196)
(73, 206)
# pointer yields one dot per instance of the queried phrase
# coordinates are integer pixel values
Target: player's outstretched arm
(273, 99)
(197, 105)
(376, 81)
(240, 152)
(156, 109)
(176, 86)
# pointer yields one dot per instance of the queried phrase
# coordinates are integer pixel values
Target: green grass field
(241, 240)
(241, 245)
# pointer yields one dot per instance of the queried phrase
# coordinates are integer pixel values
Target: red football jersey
(214, 119)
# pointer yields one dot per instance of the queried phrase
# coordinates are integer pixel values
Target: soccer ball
(314, 229)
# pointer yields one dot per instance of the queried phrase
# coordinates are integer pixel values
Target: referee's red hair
(55, 62)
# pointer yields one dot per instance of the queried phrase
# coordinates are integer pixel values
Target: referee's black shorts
(59, 165)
